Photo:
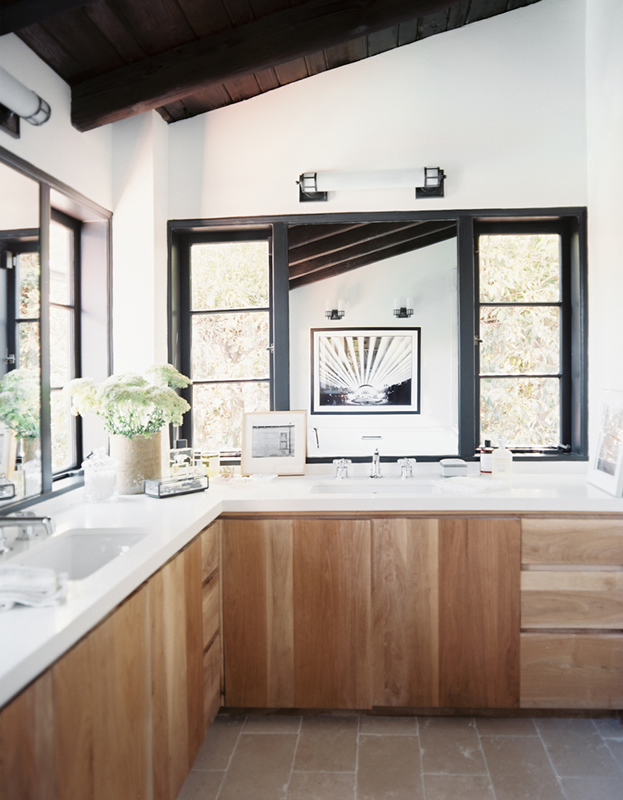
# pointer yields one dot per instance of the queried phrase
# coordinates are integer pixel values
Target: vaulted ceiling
(187, 57)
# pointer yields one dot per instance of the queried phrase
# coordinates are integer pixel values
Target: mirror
(20, 340)
(367, 267)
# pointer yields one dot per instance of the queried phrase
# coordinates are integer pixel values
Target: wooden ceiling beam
(27, 12)
(376, 248)
(343, 241)
(267, 42)
(371, 258)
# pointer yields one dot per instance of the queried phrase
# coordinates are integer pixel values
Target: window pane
(519, 340)
(523, 411)
(29, 346)
(519, 268)
(60, 346)
(229, 275)
(61, 257)
(28, 266)
(230, 346)
(62, 432)
(218, 409)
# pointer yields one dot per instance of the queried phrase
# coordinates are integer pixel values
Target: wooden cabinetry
(446, 612)
(354, 613)
(122, 714)
(211, 621)
(296, 613)
(572, 613)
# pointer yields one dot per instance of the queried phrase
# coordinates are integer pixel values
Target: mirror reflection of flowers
(130, 405)
(20, 398)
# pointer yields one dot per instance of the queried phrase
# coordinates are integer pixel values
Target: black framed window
(223, 300)
(530, 320)
(65, 314)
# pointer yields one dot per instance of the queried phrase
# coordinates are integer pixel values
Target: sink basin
(374, 487)
(80, 552)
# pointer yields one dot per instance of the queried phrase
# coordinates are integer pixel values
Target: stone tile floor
(331, 757)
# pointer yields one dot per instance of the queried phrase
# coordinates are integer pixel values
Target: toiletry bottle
(501, 460)
(486, 455)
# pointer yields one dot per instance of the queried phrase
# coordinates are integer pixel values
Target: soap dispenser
(501, 460)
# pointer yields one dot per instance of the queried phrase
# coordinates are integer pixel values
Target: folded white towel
(31, 586)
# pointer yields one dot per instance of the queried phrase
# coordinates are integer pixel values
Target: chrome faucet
(376, 465)
(406, 467)
(26, 522)
(341, 468)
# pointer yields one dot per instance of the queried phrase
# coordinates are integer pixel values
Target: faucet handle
(406, 467)
(341, 468)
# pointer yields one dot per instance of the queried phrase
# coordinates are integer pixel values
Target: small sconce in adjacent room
(427, 182)
(334, 310)
(403, 307)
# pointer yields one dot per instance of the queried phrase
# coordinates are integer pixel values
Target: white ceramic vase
(138, 459)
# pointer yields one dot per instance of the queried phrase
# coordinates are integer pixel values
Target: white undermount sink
(81, 551)
(370, 486)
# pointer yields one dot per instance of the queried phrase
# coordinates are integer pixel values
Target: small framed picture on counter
(606, 468)
(274, 442)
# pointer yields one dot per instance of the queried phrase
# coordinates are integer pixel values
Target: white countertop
(32, 639)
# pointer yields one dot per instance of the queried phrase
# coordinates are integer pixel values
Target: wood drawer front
(210, 550)
(212, 681)
(571, 670)
(593, 542)
(571, 599)
(210, 609)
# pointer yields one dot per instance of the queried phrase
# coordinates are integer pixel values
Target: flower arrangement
(20, 399)
(129, 405)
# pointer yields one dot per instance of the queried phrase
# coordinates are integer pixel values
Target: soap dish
(452, 466)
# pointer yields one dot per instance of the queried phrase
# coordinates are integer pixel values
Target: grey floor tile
(272, 723)
(595, 788)
(219, 743)
(395, 726)
(201, 786)
(260, 767)
(327, 744)
(322, 786)
(616, 748)
(389, 767)
(451, 746)
(520, 769)
(576, 749)
(610, 728)
(506, 726)
(458, 787)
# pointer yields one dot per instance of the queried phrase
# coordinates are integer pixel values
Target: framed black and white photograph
(606, 468)
(274, 442)
(365, 371)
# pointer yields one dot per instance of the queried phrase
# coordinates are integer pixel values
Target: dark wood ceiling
(187, 57)
(323, 251)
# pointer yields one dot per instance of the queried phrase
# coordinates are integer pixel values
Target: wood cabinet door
(176, 645)
(27, 758)
(405, 599)
(296, 613)
(101, 708)
(257, 613)
(479, 613)
(332, 613)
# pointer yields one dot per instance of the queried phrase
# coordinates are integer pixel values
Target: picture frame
(365, 371)
(606, 465)
(8, 451)
(274, 442)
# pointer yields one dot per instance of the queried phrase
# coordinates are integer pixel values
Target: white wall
(605, 168)
(139, 242)
(498, 104)
(429, 275)
(81, 160)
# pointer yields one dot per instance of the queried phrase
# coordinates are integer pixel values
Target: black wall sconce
(334, 310)
(403, 307)
(427, 181)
